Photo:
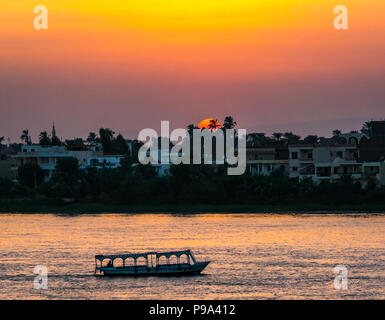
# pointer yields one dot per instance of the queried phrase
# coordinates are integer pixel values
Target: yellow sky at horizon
(207, 39)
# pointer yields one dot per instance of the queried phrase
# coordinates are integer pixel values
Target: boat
(153, 264)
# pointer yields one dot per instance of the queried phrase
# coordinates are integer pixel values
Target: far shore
(38, 206)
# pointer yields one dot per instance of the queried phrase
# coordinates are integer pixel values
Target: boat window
(141, 261)
(173, 260)
(183, 258)
(118, 262)
(162, 260)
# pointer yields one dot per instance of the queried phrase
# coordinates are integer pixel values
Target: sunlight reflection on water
(254, 256)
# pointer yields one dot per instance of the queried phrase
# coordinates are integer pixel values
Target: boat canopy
(144, 254)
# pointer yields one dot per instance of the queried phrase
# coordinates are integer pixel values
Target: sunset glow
(229, 56)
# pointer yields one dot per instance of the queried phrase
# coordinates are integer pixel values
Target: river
(253, 256)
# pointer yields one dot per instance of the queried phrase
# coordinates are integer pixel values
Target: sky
(274, 65)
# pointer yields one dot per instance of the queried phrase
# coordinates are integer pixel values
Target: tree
(106, 138)
(120, 145)
(25, 137)
(254, 140)
(1, 140)
(136, 144)
(336, 133)
(190, 129)
(44, 139)
(277, 136)
(30, 174)
(367, 128)
(67, 171)
(55, 141)
(292, 138)
(76, 144)
(311, 139)
(214, 124)
(92, 138)
(229, 123)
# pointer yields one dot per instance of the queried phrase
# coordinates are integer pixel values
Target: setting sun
(209, 123)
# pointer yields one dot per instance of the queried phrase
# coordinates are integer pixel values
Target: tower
(53, 130)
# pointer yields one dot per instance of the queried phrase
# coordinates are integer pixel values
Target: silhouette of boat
(151, 266)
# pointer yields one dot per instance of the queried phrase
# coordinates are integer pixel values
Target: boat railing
(148, 256)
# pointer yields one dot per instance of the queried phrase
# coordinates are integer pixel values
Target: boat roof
(143, 254)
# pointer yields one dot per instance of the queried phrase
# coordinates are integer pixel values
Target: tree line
(186, 184)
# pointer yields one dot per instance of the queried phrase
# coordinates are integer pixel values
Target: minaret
(53, 130)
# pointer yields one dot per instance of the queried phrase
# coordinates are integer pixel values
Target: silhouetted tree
(55, 141)
(44, 139)
(106, 138)
(257, 140)
(25, 137)
(310, 139)
(30, 174)
(292, 138)
(121, 146)
(229, 123)
(277, 136)
(92, 138)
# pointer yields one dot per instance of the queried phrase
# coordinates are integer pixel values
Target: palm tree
(190, 129)
(106, 138)
(25, 137)
(229, 123)
(92, 138)
(214, 124)
(366, 127)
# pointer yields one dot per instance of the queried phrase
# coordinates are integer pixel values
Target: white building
(46, 158)
(264, 161)
(330, 163)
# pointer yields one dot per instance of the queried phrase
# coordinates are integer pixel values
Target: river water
(253, 256)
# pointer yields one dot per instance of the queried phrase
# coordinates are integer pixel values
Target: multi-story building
(263, 161)
(330, 163)
(44, 157)
(47, 156)
(308, 159)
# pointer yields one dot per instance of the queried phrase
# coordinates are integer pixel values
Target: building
(304, 159)
(331, 163)
(263, 161)
(46, 158)
(101, 161)
(6, 168)
(5, 163)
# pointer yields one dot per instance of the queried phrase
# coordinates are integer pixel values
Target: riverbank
(39, 206)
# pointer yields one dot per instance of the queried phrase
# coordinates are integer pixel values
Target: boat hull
(163, 270)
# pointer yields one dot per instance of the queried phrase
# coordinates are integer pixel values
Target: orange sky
(188, 60)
